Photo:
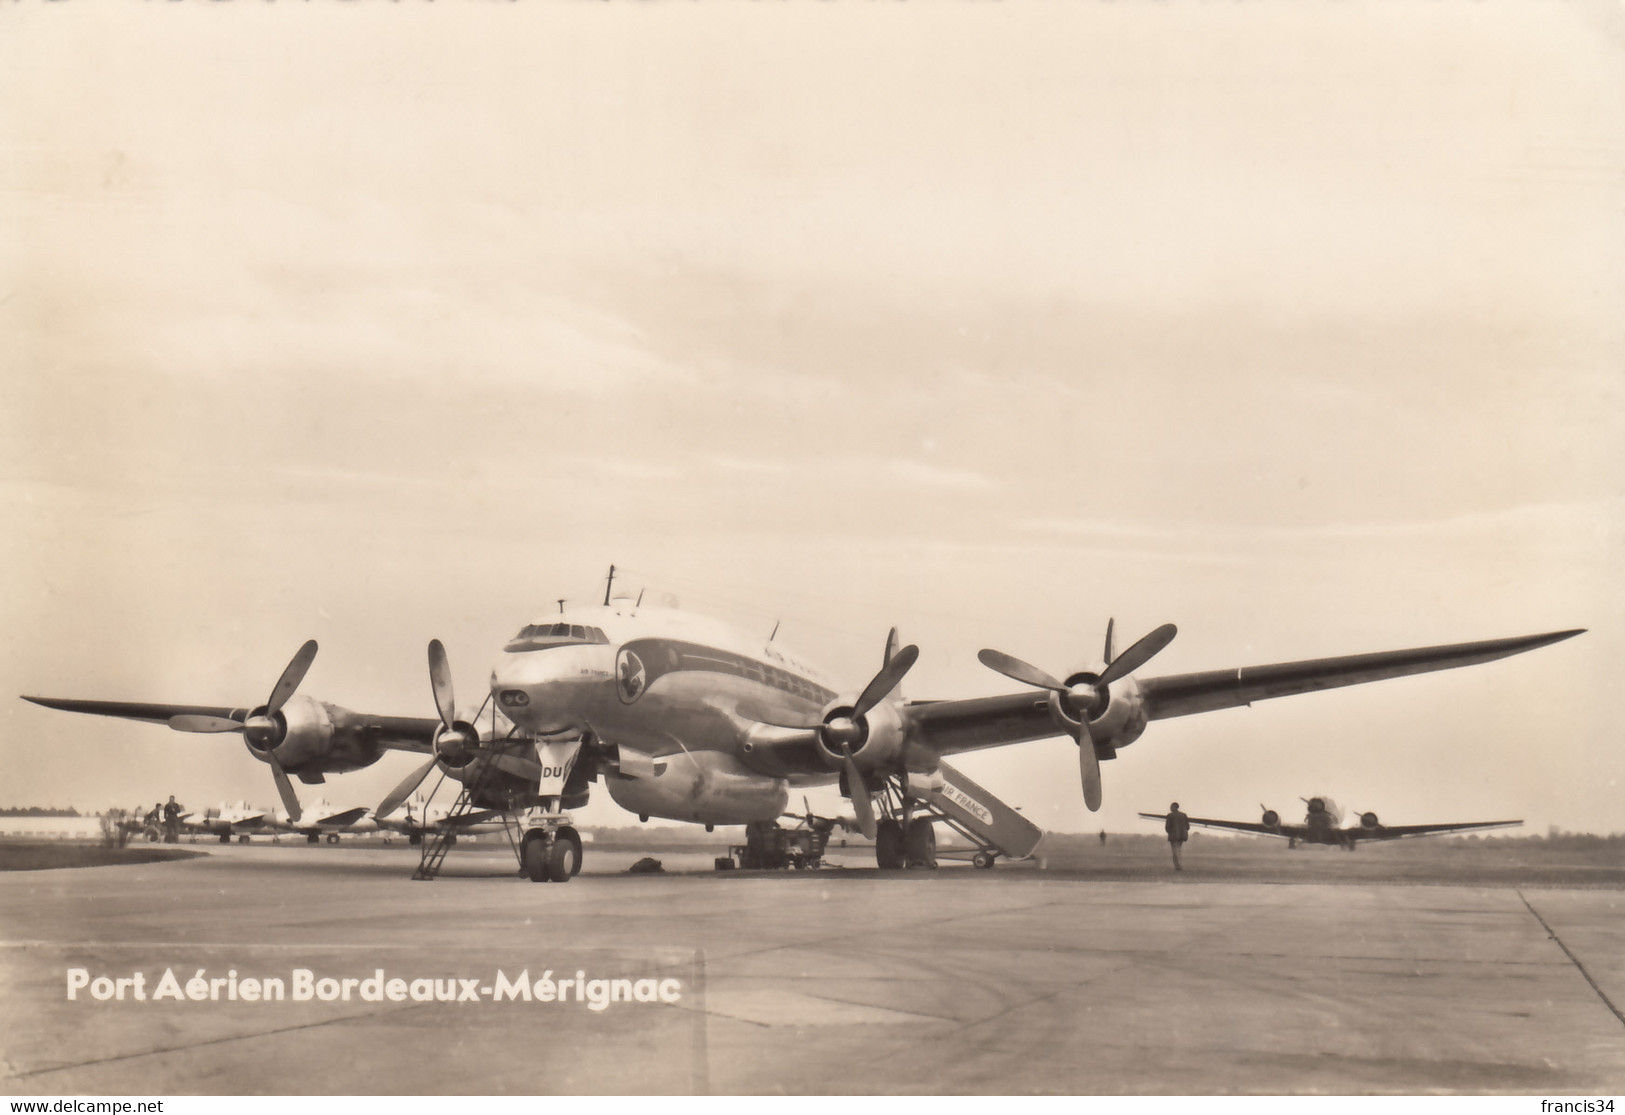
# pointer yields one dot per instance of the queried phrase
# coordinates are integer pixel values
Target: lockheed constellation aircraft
(690, 719)
(1323, 824)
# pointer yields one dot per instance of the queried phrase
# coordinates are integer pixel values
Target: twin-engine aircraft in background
(690, 719)
(1323, 824)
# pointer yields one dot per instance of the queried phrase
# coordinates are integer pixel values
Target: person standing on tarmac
(172, 822)
(1178, 827)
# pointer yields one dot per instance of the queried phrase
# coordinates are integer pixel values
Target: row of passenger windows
(574, 631)
(769, 675)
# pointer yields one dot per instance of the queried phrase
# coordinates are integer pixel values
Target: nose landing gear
(550, 852)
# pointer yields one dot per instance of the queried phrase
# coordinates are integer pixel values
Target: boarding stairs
(435, 848)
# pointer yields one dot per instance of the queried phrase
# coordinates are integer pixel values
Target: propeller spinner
(265, 726)
(1084, 694)
(457, 742)
(845, 728)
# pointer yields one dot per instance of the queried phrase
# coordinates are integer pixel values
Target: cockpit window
(538, 636)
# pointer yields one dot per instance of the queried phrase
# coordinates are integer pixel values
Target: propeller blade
(881, 685)
(440, 679)
(290, 801)
(861, 805)
(1138, 654)
(204, 724)
(1107, 657)
(1089, 768)
(404, 790)
(292, 675)
(1017, 670)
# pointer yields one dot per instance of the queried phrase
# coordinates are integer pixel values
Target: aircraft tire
(563, 859)
(574, 837)
(242, 838)
(983, 860)
(890, 851)
(332, 838)
(533, 854)
(921, 843)
(312, 838)
(225, 838)
(414, 838)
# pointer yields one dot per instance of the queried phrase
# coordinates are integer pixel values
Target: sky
(1296, 325)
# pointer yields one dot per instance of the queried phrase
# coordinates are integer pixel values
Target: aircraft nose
(551, 690)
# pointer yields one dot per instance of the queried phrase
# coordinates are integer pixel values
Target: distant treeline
(36, 811)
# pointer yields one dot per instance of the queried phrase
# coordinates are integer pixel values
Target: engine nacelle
(1369, 820)
(314, 737)
(303, 738)
(878, 742)
(1116, 719)
(705, 787)
(1271, 819)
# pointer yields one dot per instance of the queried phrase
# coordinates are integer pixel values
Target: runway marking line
(1575, 960)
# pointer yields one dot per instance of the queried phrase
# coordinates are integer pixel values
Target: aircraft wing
(1236, 826)
(400, 733)
(340, 819)
(1184, 694)
(950, 727)
(1399, 832)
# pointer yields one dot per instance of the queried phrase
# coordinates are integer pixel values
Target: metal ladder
(434, 851)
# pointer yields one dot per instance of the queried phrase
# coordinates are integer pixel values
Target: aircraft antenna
(640, 598)
(561, 607)
(608, 585)
(775, 629)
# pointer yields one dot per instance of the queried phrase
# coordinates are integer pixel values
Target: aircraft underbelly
(705, 787)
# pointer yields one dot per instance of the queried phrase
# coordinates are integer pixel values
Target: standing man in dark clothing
(1178, 827)
(172, 822)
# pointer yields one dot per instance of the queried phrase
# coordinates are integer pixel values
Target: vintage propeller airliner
(690, 719)
(1323, 824)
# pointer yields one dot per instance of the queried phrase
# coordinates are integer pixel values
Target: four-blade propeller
(265, 727)
(457, 742)
(1085, 694)
(844, 728)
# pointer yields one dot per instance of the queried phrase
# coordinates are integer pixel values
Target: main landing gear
(902, 844)
(906, 836)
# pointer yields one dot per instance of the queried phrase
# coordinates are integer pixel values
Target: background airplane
(690, 719)
(321, 819)
(1323, 824)
(226, 821)
(421, 819)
